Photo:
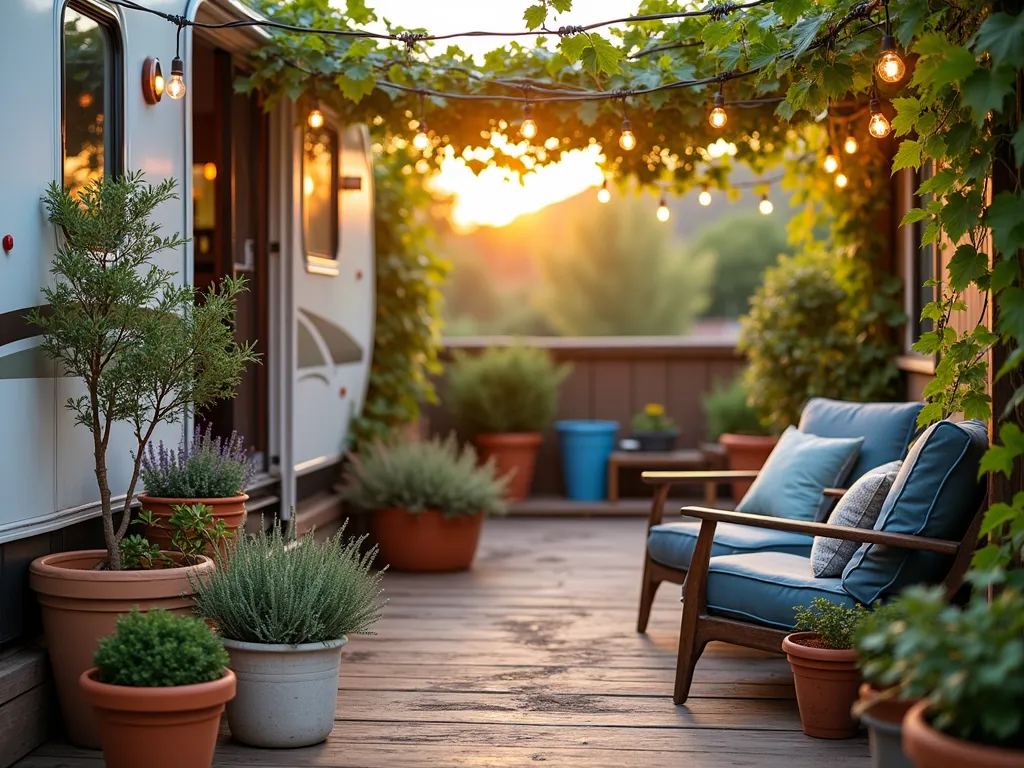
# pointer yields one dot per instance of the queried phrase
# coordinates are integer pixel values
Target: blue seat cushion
(936, 494)
(765, 587)
(800, 467)
(887, 428)
(672, 544)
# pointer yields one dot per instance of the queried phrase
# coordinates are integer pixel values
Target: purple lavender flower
(202, 468)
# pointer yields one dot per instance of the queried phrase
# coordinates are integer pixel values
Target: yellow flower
(654, 409)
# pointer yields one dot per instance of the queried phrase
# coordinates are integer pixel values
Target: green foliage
(143, 345)
(271, 590)
(653, 419)
(805, 337)
(624, 274)
(193, 528)
(420, 476)
(967, 661)
(207, 467)
(507, 389)
(877, 646)
(409, 275)
(727, 410)
(159, 649)
(835, 625)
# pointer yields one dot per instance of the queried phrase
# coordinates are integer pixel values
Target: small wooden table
(654, 460)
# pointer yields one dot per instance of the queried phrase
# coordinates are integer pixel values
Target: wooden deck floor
(532, 657)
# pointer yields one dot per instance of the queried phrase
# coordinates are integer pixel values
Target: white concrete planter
(286, 693)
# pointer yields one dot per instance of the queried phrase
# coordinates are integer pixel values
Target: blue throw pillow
(798, 470)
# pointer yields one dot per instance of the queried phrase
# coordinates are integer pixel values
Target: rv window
(90, 75)
(320, 199)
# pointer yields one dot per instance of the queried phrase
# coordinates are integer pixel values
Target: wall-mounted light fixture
(152, 80)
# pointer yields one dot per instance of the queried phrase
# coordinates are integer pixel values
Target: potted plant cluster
(205, 470)
(735, 425)
(824, 667)
(428, 501)
(158, 688)
(505, 399)
(654, 430)
(142, 347)
(284, 610)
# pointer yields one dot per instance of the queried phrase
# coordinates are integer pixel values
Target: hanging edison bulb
(765, 206)
(664, 214)
(604, 194)
(878, 125)
(626, 139)
(850, 145)
(704, 198)
(529, 128)
(840, 180)
(831, 164)
(718, 116)
(421, 141)
(890, 67)
(176, 85)
(316, 117)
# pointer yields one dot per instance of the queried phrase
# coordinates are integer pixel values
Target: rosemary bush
(270, 590)
(424, 475)
(160, 649)
(206, 467)
(835, 625)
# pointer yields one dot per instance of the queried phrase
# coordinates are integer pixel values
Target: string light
(718, 117)
(878, 125)
(840, 180)
(765, 206)
(176, 85)
(831, 164)
(604, 194)
(704, 198)
(890, 67)
(627, 140)
(529, 128)
(664, 214)
(421, 141)
(850, 146)
(316, 117)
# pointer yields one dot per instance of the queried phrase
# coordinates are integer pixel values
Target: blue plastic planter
(586, 446)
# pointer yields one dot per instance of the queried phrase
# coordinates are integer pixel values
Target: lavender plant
(206, 467)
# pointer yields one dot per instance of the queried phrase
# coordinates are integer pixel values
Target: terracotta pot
(928, 748)
(169, 727)
(746, 452)
(826, 684)
(427, 541)
(230, 509)
(80, 605)
(883, 718)
(515, 454)
(890, 709)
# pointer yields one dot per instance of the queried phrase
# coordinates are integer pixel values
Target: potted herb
(654, 429)
(825, 667)
(142, 347)
(734, 423)
(285, 610)
(158, 689)
(505, 399)
(881, 706)
(428, 500)
(205, 470)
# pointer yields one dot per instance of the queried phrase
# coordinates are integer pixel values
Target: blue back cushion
(936, 494)
(799, 469)
(887, 428)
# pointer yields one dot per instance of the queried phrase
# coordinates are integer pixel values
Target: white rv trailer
(261, 194)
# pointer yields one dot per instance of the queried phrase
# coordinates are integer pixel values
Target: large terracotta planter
(928, 748)
(427, 541)
(80, 605)
(230, 509)
(826, 684)
(169, 727)
(746, 452)
(883, 717)
(515, 455)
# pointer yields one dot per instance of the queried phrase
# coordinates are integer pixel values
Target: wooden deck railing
(613, 378)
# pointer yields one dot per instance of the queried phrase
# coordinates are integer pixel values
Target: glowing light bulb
(210, 171)
(308, 185)
(879, 126)
(529, 128)
(704, 198)
(765, 206)
(627, 140)
(604, 194)
(176, 85)
(890, 66)
(316, 118)
(841, 181)
(663, 212)
(422, 140)
(850, 146)
(831, 164)
(718, 117)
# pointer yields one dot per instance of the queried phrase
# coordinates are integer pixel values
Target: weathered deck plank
(531, 657)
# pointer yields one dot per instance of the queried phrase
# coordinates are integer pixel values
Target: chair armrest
(847, 533)
(834, 493)
(698, 476)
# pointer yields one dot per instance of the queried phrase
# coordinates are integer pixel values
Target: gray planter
(286, 693)
(659, 442)
(886, 742)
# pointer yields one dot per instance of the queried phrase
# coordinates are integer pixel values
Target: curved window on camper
(90, 82)
(320, 221)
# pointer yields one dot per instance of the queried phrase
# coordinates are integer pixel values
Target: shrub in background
(727, 410)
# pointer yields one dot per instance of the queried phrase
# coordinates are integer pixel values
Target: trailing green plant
(727, 410)
(143, 346)
(272, 590)
(967, 661)
(505, 389)
(653, 419)
(206, 467)
(159, 649)
(834, 624)
(419, 476)
(804, 338)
